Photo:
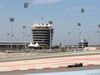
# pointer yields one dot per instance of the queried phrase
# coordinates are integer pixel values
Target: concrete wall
(91, 48)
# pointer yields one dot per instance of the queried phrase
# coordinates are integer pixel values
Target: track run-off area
(53, 62)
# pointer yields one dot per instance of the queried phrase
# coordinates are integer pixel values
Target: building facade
(43, 34)
(83, 44)
(6, 45)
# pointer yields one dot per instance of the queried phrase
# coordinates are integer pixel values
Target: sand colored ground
(17, 54)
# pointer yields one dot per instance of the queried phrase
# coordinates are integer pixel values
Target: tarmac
(45, 62)
(54, 70)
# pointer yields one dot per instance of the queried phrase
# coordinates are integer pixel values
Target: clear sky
(86, 72)
(65, 15)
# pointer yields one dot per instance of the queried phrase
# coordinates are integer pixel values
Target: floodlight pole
(99, 29)
(26, 6)
(23, 37)
(69, 38)
(97, 37)
(17, 44)
(82, 11)
(11, 20)
(79, 24)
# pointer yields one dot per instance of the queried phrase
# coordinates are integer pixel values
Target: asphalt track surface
(22, 72)
(50, 70)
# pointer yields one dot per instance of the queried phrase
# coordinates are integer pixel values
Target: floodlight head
(11, 19)
(23, 26)
(26, 4)
(28, 35)
(79, 24)
(50, 22)
(69, 32)
(82, 10)
(7, 33)
(97, 31)
(99, 25)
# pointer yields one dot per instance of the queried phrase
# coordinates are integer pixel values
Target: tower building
(83, 44)
(43, 34)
